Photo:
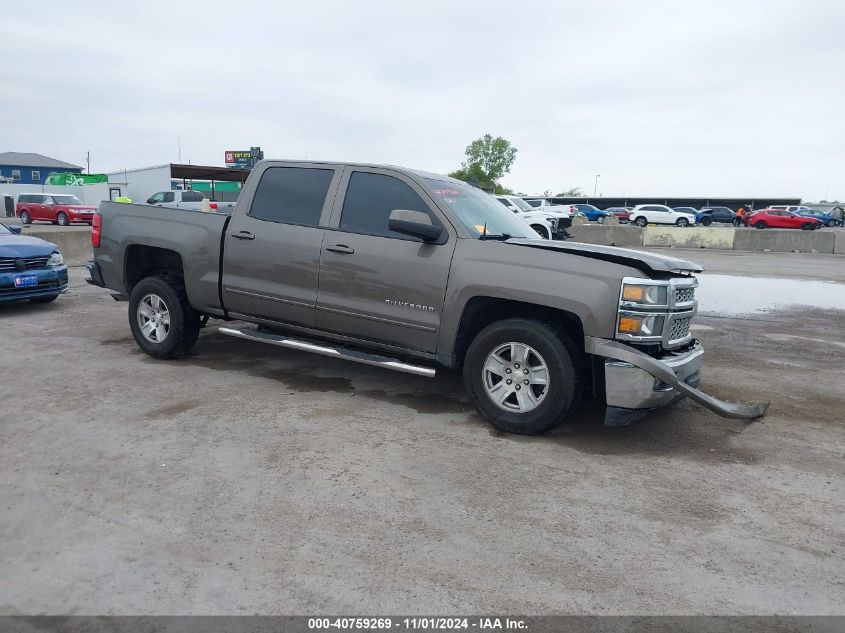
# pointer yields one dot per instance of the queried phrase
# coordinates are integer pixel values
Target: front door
(376, 284)
(272, 249)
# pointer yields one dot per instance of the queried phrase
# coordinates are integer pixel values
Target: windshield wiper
(495, 236)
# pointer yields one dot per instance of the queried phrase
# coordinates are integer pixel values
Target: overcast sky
(676, 98)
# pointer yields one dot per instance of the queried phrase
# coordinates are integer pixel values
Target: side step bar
(325, 350)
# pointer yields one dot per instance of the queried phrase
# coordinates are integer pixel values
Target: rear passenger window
(291, 195)
(169, 196)
(191, 196)
(369, 200)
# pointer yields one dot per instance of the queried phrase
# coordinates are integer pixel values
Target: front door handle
(243, 235)
(341, 248)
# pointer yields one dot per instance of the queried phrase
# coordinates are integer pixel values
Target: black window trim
(337, 172)
(433, 209)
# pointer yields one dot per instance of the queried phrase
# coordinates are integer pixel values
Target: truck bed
(194, 235)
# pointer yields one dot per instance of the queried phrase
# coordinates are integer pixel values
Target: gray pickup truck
(409, 270)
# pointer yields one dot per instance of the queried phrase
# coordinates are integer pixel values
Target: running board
(325, 350)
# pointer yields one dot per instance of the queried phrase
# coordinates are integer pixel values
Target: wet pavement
(742, 295)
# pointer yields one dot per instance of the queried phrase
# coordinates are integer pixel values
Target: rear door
(45, 208)
(272, 250)
(376, 284)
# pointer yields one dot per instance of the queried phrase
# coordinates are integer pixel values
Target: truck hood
(24, 246)
(647, 262)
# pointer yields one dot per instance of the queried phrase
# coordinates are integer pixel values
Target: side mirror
(15, 229)
(150, 201)
(415, 224)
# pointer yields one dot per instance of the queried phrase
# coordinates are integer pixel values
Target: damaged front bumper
(636, 383)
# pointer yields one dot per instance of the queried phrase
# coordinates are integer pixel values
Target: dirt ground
(249, 479)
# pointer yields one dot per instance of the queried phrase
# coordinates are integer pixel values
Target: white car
(541, 204)
(791, 207)
(644, 214)
(546, 224)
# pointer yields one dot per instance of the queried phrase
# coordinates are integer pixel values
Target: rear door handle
(341, 248)
(243, 235)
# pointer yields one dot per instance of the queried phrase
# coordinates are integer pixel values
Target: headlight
(56, 259)
(645, 294)
(641, 324)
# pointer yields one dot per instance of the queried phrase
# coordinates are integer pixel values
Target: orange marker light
(630, 325)
(633, 293)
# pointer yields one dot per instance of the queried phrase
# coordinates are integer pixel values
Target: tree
(488, 159)
(495, 156)
(572, 192)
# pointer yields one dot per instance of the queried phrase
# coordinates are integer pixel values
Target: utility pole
(596, 185)
(179, 145)
(88, 162)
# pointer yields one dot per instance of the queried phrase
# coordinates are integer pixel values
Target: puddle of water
(734, 294)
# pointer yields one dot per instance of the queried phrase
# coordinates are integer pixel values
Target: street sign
(244, 159)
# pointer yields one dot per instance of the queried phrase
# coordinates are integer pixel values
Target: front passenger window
(369, 200)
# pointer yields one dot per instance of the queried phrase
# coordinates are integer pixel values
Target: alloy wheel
(153, 318)
(516, 377)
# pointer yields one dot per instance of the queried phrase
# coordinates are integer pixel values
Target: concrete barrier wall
(717, 238)
(785, 240)
(689, 237)
(74, 242)
(608, 235)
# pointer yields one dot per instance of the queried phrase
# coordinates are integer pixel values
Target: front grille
(9, 264)
(684, 295)
(44, 285)
(679, 328)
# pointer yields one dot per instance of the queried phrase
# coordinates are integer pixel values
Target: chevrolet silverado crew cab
(409, 271)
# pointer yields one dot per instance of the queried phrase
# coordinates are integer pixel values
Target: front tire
(641, 221)
(706, 221)
(543, 366)
(760, 225)
(542, 230)
(808, 226)
(61, 219)
(161, 319)
(600, 219)
(682, 222)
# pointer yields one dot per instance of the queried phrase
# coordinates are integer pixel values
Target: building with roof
(27, 168)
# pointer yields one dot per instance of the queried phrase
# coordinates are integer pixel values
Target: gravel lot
(249, 479)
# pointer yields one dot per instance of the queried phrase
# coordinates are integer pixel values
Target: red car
(58, 208)
(779, 219)
(623, 214)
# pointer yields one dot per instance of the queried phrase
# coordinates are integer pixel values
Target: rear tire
(548, 351)
(760, 225)
(641, 221)
(25, 217)
(61, 219)
(162, 321)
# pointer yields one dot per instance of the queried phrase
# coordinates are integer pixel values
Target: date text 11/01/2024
(417, 623)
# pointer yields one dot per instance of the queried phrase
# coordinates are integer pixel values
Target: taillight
(213, 205)
(96, 223)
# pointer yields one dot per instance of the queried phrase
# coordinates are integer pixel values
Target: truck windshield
(66, 199)
(474, 208)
